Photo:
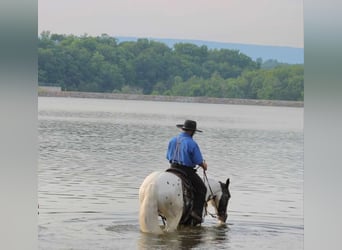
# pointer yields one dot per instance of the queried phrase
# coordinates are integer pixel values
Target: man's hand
(204, 165)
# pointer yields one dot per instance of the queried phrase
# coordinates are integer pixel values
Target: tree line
(102, 64)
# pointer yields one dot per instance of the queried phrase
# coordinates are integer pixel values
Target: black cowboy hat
(189, 125)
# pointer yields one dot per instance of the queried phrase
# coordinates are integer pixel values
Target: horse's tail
(148, 213)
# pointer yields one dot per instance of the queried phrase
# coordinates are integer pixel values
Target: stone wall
(171, 98)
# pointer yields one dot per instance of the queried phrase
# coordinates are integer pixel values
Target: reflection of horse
(187, 238)
(165, 194)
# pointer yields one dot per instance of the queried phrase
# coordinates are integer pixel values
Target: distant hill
(288, 55)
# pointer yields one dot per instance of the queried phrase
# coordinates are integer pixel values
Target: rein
(212, 197)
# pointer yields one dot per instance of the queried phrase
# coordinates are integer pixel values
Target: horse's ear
(227, 183)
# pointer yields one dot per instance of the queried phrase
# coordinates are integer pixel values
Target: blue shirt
(184, 150)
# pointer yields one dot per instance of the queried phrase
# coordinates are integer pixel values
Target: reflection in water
(186, 238)
(219, 234)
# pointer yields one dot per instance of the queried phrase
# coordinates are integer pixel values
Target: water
(95, 153)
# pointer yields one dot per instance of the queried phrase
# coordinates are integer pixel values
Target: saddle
(188, 195)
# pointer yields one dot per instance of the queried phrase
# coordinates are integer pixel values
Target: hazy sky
(266, 22)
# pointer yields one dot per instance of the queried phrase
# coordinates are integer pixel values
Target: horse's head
(221, 201)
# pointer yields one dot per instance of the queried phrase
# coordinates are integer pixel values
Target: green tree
(102, 64)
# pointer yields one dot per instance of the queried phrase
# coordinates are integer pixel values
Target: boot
(196, 218)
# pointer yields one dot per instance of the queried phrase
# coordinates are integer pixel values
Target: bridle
(211, 197)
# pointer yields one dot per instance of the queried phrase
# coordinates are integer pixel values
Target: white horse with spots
(161, 194)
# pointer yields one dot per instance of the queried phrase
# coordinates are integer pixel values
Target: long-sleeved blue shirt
(184, 150)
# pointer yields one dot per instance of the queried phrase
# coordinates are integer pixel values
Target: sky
(258, 22)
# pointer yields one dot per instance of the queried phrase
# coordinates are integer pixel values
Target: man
(183, 152)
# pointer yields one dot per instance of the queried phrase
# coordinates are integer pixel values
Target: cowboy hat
(189, 125)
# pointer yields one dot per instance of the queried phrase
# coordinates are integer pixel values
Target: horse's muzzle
(223, 218)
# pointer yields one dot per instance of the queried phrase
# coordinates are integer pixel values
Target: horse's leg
(173, 220)
(174, 214)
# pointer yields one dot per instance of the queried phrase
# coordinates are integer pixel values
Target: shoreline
(210, 100)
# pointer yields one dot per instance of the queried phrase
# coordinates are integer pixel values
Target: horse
(166, 194)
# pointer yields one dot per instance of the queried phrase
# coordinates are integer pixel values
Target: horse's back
(165, 182)
(169, 188)
(166, 188)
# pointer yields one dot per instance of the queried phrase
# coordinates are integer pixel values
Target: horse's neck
(212, 188)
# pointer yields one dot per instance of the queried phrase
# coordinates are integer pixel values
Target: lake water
(95, 153)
